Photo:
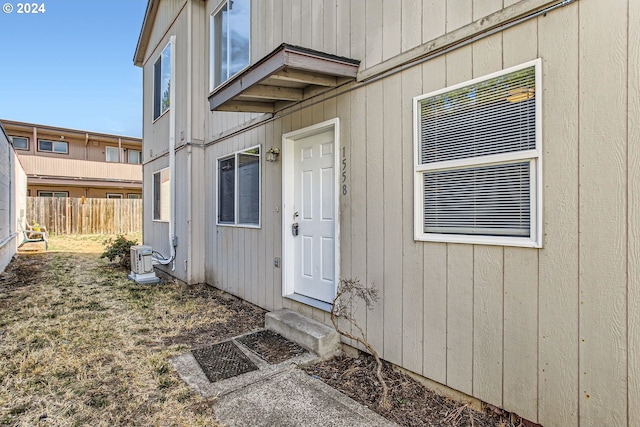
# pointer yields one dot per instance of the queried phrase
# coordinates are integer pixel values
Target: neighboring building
(63, 162)
(474, 160)
(13, 198)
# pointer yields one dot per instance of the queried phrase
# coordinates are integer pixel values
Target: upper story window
(230, 40)
(478, 160)
(162, 83)
(113, 154)
(60, 147)
(135, 156)
(20, 142)
(53, 194)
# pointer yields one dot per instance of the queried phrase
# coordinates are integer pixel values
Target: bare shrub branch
(350, 290)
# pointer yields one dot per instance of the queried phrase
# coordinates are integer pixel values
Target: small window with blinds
(478, 160)
(239, 188)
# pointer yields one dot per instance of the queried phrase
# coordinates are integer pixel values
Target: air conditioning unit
(142, 265)
(141, 259)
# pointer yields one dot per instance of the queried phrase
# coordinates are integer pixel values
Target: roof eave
(145, 32)
(287, 75)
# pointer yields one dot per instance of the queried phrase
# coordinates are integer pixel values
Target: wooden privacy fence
(66, 215)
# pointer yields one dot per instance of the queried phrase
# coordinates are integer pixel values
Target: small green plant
(118, 250)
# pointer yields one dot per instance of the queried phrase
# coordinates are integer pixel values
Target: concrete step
(311, 334)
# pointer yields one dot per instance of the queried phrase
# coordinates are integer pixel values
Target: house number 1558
(344, 171)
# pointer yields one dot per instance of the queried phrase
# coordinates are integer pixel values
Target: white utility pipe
(172, 151)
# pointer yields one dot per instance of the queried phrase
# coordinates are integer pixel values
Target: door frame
(288, 199)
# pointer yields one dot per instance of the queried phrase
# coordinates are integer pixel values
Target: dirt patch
(412, 404)
(270, 346)
(23, 271)
(235, 317)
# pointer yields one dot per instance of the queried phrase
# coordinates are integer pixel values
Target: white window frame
(534, 157)
(235, 195)
(114, 196)
(160, 200)
(13, 141)
(134, 196)
(139, 155)
(212, 46)
(53, 193)
(119, 152)
(53, 146)
(163, 64)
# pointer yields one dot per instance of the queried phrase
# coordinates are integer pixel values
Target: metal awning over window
(288, 75)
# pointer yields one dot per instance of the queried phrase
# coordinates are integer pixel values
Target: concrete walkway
(280, 395)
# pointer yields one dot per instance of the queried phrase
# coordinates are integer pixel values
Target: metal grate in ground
(270, 346)
(223, 360)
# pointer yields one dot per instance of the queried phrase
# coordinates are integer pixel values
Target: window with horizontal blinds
(480, 119)
(489, 200)
(239, 188)
(227, 190)
(478, 160)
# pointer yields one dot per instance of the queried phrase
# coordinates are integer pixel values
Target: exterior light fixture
(272, 154)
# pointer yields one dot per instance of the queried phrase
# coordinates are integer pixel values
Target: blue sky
(72, 66)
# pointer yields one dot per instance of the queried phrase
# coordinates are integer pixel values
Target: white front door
(310, 215)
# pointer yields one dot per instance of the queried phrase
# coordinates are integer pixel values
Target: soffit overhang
(145, 32)
(288, 75)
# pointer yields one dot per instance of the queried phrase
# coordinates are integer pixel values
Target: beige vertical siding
(434, 19)
(372, 209)
(167, 12)
(411, 24)
(392, 219)
(482, 319)
(633, 224)
(551, 333)
(196, 134)
(459, 13)
(559, 277)
(603, 205)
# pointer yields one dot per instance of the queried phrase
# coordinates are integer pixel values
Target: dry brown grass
(81, 243)
(82, 345)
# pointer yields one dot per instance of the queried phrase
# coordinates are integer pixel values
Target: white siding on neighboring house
(13, 187)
